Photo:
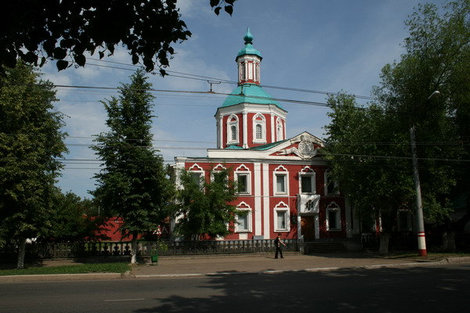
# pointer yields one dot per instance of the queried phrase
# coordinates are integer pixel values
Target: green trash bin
(154, 258)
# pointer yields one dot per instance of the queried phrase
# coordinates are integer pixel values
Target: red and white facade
(283, 182)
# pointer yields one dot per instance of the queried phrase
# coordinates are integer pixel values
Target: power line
(204, 78)
(315, 103)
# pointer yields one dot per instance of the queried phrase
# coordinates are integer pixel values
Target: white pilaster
(266, 204)
(220, 133)
(299, 226)
(317, 227)
(257, 194)
(245, 129)
(273, 128)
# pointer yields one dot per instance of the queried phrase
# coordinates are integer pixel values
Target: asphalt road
(415, 289)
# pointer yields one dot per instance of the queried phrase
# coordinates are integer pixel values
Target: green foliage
(437, 58)
(132, 183)
(69, 30)
(30, 144)
(74, 219)
(203, 208)
(71, 269)
(363, 150)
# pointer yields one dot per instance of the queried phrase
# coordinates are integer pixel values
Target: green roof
(234, 147)
(267, 146)
(249, 93)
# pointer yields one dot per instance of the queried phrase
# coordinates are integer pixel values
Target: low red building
(283, 182)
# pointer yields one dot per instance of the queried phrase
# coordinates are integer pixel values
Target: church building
(283, 183)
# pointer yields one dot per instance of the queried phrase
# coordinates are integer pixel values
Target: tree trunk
(134, 250)
(21, 253)
(384, 243)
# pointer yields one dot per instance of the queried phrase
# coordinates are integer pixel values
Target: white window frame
(217, 169)
(241, 69)
(243, 170)
(282, 208)
(259, 119)
(333, 207)
(281, 170)
(249, 217)
(233, 121)
(308, 172)
(196, 169)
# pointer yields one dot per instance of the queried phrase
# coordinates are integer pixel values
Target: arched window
(333, 217)
(232, 129)
(307, 181)
(259, 128)
(243, 221)
(280, 181)
(281, 217)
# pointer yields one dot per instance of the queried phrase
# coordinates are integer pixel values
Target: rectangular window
(306, 182)
(281, 220)
(196, 178)
(281, 183)
(242, 223)
(259, 131)
(242, 183)
(332, 219)
(233, 130)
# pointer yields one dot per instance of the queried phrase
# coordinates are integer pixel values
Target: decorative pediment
(304, 146)
(195, 168)
(218, 168)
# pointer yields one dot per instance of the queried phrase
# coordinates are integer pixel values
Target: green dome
(252, 93)
(248, 49)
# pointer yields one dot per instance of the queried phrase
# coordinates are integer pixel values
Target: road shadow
(431, 289)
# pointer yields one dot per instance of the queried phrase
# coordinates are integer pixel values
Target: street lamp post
(419, 203)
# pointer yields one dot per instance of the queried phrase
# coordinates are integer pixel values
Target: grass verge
(70, 269)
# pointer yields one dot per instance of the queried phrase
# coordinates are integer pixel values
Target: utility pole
(419, 204)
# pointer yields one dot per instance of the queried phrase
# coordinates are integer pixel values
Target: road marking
(122, 300)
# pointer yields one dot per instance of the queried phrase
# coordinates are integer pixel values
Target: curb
(63, 277)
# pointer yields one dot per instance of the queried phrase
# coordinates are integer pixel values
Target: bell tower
(249, 116)
(248, 61)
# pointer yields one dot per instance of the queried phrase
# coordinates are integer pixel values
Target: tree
(205, 210)
(69, 30)
(30, 144)
(369, 147)
(74, 219)
(437, 58)
(369, 161)
(132, 184)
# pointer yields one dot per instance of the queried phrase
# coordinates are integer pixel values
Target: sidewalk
(262, 263)
(197, 266)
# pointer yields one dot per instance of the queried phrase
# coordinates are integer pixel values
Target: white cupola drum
(248, 60)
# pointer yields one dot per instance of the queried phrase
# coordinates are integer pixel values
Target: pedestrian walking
(278, 243)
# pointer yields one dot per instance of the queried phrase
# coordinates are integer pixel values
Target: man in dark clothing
(277, 243)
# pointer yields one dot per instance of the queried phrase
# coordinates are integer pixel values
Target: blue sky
(329, 45)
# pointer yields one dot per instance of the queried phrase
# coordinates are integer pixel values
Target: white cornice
(251, 108)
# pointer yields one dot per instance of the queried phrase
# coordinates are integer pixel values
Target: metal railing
(148, 248)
